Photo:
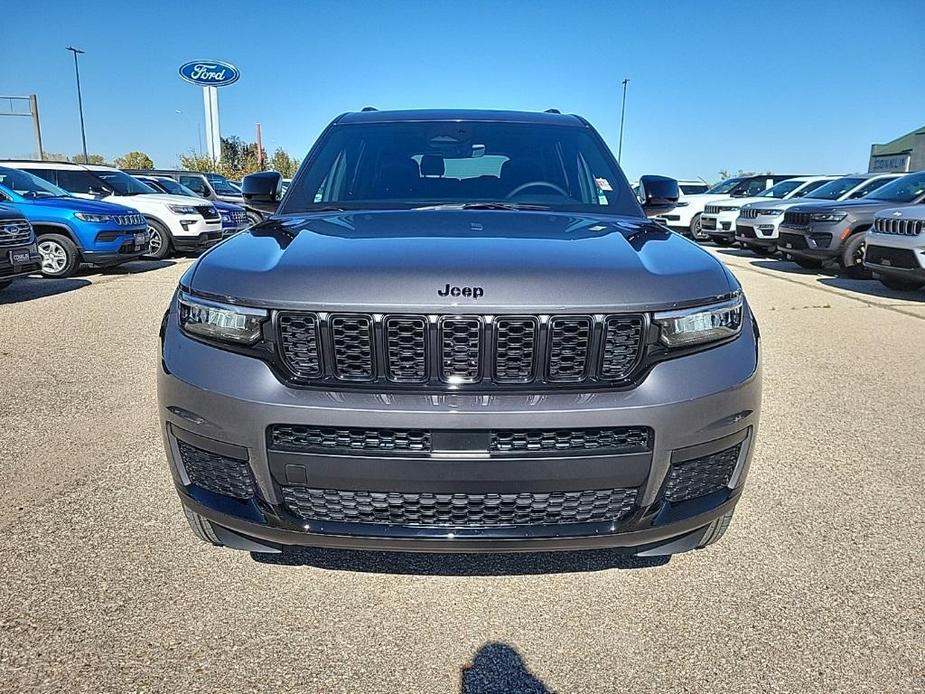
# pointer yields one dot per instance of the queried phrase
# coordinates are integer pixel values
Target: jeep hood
(79, 205)
(399, 260)
(862, 205)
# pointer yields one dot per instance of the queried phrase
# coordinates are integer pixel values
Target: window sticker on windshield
(603, 184)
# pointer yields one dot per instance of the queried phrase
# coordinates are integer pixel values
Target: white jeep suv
(175, 222)
(758, 223)
(719, 217)
(895, 248)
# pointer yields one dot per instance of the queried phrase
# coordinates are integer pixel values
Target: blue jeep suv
(72, 230)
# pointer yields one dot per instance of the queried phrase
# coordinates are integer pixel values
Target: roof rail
(553, 110)
(368, 108)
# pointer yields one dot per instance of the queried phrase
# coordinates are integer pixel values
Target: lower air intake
(217, 473)
(701, 476)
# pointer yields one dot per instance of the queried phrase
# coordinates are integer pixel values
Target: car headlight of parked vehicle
(828, 216)
(694, 326)
(770, 213)
(93, 218)
(182, 209)
(220, 322)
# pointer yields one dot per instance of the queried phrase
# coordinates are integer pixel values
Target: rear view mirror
(263, 190)
(658, 194)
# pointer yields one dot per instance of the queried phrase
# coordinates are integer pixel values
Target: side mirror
(263, 190)
(97, 191)
(658, 194)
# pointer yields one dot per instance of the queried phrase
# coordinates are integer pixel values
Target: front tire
(159, 244)
(253, 218)
(852, 258)
(717, 529)
(202, 528)
(60, 256)
(900, 285)
(697, 232)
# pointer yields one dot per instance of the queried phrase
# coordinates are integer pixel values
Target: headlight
(770, 213)
(828, 216)
(694, 326)
(224, 322)
(94, 218)
(182, 209)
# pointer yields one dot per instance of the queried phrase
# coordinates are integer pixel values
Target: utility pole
(622, 118)
(80, 104)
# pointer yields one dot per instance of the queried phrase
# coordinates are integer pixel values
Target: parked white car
(758, 223)
(895, 247)
(685, 217)
(174, 222)
(719, 217)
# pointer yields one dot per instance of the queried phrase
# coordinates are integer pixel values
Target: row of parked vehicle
(59, 215)
(865, 224)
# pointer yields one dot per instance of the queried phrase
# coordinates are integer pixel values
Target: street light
(80, 104)
(198, 130)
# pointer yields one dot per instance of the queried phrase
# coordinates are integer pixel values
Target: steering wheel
(536, 184)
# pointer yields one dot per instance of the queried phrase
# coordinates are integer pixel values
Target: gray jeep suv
(459, 332)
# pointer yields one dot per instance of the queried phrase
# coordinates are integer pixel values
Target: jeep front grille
(798, 219)
(426, 509)
(900, 227)
(308, 439)
(460, 351)
(610, 439)
(749, 213)
(15, 233)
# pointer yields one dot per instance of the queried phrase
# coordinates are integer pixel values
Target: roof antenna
(553, 110)
(369, 108)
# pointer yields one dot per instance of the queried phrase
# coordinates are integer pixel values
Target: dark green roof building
(905, 153)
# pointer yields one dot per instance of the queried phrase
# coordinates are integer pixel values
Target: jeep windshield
(726, 186)
(123, 184)
(470, 164)
(906, 189)
(833, 190)
(29, 186)
(222, 185)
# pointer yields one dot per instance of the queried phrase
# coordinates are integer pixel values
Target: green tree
(95, 159)
(283, 163)
(193, 161)
(134, 160)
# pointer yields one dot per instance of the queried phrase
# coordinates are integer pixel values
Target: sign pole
(207, 119)
(216, 130)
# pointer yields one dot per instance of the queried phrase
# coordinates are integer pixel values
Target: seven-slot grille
(798, 219)
(749, 213)
(130, 220)
(15, 233)
(460, 350)
(901, 227)
(711, 209)
(425, 509)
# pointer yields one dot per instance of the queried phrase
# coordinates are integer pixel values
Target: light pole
(622, 118)
(198, 129)
(80, 103)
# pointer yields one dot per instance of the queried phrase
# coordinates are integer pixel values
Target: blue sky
(799, 87)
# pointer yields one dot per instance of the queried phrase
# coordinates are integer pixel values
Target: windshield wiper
(510, 206)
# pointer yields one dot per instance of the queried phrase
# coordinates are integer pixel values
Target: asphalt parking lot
(818, 586)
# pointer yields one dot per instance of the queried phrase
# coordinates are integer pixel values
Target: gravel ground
(817, 586)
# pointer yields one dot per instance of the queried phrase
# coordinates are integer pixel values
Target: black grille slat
(425, 509)
(306, 439)
(622, 345)
(605, 440)
(800, 219)
(569, 342)
(217, 473)
(298, 335)
(460, 349)
(406, 349)
(515, 349)
(691, 479)
(352, 342)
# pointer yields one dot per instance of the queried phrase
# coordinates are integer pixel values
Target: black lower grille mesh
(459, 510)
(302, 439)
(217, 473)
(614, 439)
(895, 257)
(701, 476)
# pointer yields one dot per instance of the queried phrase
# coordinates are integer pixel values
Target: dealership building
(906, 153)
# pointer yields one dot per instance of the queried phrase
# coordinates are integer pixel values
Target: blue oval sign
(209, 73)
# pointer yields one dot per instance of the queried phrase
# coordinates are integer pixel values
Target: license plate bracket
(20, 257)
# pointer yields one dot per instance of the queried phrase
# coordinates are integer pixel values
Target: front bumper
(129, 245)
(902, 257)
(205, 239)
(9, 270)
(816, 242)
(761, 231)
(694, 406)
(720, 225)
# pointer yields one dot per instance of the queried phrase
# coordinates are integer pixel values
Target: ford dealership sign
(209, 73)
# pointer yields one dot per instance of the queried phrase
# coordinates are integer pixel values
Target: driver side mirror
(658, 194)
(98, 191)
(263, 190)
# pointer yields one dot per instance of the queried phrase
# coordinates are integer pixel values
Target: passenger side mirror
(658, 194)
(263, 190)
